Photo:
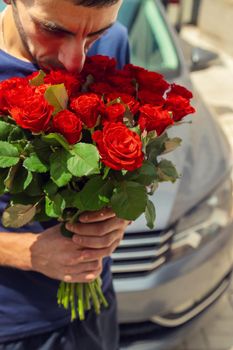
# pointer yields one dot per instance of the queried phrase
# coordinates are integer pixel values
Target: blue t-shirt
(28, 303)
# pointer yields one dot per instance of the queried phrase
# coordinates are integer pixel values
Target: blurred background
(183, 39)
(208, 24)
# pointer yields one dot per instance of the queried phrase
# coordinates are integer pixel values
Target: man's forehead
(84, 3)
(72, 17)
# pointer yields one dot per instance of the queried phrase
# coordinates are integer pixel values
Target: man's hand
(98, 233)
(58, 257)
(78, 259)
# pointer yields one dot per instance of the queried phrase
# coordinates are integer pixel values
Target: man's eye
(52, 31)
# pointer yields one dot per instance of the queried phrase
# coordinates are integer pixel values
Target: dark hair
(95, 3)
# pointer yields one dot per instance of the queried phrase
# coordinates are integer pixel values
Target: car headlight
(204, 221)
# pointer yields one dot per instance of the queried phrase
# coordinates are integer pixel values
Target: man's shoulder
(118, 30)
(113, 43)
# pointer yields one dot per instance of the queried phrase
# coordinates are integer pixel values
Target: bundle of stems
(79, 297)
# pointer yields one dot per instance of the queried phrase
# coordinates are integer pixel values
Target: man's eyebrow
(100, 31)
(56, 27)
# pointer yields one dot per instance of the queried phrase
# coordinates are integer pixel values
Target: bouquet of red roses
(74, 143)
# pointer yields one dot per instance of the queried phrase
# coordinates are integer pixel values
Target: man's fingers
(96, 216)
(90, 254)
(82, 277)
(97, 229)
(99, 242)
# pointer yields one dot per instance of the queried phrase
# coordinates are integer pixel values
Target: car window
(151, 43)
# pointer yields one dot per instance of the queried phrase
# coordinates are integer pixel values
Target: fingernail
(67, 278)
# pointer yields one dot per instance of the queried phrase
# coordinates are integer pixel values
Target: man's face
(58, 33)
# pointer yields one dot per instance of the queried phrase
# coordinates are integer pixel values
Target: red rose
(152, 81)
(132, 70)
(149, 97)
(154, 118)
(179, 90)
(128, 100)
(72, 82)
(119, 147)
(8, 89)
(122, 84)
(100, 88)
(32, 112)
(99, 66)
(69, 125)
(114, 112)
(41, 88)
(179, 106)
(87, 107)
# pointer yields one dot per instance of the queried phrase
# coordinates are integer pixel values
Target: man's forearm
(15, 249)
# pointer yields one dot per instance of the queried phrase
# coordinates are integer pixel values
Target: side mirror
(202, 58)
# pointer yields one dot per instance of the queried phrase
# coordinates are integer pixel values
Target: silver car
(171, 279)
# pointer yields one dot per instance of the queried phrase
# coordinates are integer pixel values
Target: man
(57, 34)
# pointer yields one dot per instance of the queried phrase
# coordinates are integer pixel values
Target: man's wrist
(15, 250)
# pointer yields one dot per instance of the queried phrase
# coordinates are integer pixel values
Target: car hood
(202, 160)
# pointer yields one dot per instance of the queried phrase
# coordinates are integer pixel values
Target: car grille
(140, 253)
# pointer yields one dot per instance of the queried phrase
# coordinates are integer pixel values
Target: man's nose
(72, 55)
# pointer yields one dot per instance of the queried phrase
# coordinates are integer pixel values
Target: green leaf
(153, 187)
(23, 198)
(136, 129)
(144, 175)
(58, 167)
(18, 215)
(19, 145)
(104, 199)
(150, 214)
(3, 176)
(18, 179)
(9, 155)
(33, 163)
(147, 137)
(41, 216)
(57, 96)
(106, 172)
(129, 200)
(50, 188)
(42, 149)
(5, 130)
(9, 180)
(35, 186)
(166, 171)
(54, 205)
(39, 79)
(172, 144)
(27, 180)
(85, 160)
(16, 134)
(55, 139)
(94, 195)
(156, 147)
(69, 197)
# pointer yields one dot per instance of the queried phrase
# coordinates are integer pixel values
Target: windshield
(151, 44)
